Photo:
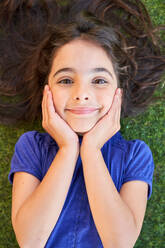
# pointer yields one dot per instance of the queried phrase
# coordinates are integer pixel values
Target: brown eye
(65, 81)
(100, 81)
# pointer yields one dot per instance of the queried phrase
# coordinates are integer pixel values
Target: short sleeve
(26, 157)
(140, 164)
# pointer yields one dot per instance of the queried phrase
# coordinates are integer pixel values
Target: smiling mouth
(82, 112)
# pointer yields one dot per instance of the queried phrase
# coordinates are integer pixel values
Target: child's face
(80, 86)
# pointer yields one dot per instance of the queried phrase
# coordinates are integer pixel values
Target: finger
(44, 105)
(114, 104)
(119, 94)
(114, 113)
(50, 105)
(118, 110)
(120, 102)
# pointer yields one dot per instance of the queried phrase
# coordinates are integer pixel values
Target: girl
(79, 184)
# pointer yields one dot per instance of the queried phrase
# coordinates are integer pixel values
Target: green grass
(156, 9)
(149, 127)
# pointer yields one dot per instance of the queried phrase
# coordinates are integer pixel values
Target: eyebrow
(98, 69)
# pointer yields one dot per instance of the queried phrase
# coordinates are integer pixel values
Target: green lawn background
(149, 127)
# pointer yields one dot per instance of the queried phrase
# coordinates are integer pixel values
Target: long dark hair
(32, 31)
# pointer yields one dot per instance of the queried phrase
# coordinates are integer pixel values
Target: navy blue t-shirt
(125, 160)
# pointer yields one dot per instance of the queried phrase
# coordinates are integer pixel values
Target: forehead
(82, 55)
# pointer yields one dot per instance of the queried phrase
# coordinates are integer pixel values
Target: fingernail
(119, 92)
(47, 88)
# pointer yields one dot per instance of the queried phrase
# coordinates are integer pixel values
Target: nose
(81, 98)
(81, 93)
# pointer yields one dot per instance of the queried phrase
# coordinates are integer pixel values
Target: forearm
(38, 215)
(113, 219)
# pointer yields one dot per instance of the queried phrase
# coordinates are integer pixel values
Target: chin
(83, 129)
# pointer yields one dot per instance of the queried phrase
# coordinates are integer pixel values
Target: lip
(82, 110)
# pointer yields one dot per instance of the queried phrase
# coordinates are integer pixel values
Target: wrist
(71, 149)
(88, 149)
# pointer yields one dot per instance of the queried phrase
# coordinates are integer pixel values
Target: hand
(55, 125)
(106, 127)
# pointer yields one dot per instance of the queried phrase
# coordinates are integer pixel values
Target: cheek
(58, 104)
(107, 100)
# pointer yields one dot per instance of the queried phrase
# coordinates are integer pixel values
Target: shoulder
(131, 148)
(136, 160)
(139, 151)
(134, 155)
(36, 144)
(36, 139)
(31, 151)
